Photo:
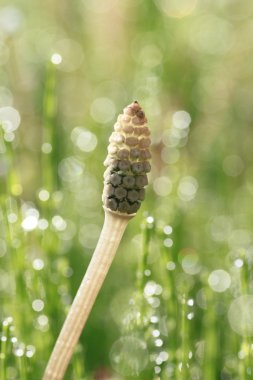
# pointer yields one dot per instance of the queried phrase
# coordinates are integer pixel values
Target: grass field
(178, 301)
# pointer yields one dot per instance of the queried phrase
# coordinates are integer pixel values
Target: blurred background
(178, 300)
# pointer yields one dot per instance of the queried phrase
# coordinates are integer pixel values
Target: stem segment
(111, 234)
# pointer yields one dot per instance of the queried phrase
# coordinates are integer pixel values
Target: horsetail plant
(127, 165)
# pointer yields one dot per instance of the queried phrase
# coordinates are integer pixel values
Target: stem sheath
(111, 234)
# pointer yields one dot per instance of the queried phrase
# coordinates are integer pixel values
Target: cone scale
(127, 162)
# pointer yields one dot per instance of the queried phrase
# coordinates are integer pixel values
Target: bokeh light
(175, 8)
(240, 315)
(162, 186)
(69, 55)
(70, 169)
(102, 110)
(9, 119)
(182, 279)
(187, 189)
(11, 19)
(233, 165)
(219, 280)
(85, 140)
(56, 59)
(129, 356)
(212, 35)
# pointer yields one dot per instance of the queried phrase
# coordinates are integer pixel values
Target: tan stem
(111, 234)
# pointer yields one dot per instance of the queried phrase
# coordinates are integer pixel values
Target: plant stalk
(111, 234)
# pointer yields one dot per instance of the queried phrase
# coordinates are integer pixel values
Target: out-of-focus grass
(177, 303)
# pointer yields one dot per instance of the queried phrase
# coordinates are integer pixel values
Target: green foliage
(178, 300)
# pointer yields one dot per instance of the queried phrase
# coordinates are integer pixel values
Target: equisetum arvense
(125, 177)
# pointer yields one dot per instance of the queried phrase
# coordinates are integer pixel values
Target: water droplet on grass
(168, 242)
(168, 230)
(19, 351)
(56, 59)
(154, 319)
(238, 263)
(158, 342)
(30, 223)
(190, 302)
(30, 351)
(171, 265)
(156, 333)
(38, 264)
(150, 220)
(44, 195)
(38, 305)
(152, 288)
(43, 224)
